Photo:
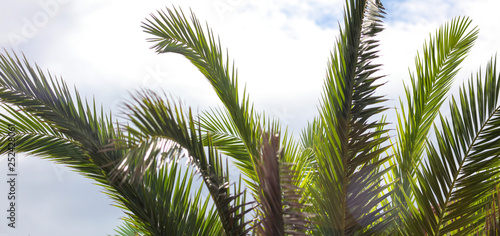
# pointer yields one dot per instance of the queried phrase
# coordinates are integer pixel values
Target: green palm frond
(344, 176)
(223, 132)
(51, 102)
(167, 206)
(296, 212)
(54, 123)
(34, 136)
(463, 166)
(492, 215)
(128, 229)
(300, 165)
(232, 129)
(348, 188)
(435, 70)
(152, 118)
(173, 32)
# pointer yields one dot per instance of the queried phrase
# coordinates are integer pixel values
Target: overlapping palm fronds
(233, 129)
(347, 193)
(154, 118)
(343, 177)
(53, 123)
(282, 211)
(127, 229)
(434, 74)
(165, 193)
(463, 165)
(173, 33)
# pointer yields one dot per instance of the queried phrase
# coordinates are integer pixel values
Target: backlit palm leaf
(348, 188)
(152, 118)
(58, 125)
(174, 33)
(464, 165)
(434, 73)
(339, 179)
(166, 206)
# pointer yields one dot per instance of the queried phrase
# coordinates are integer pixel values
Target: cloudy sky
(280, 49)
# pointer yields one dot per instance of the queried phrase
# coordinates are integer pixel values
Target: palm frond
(279, 197)
(128, 229)
(66, 123)
(348, 189)
(463, 167)
(167, 206)
(173, 32)
(435, 71)
(152, 118)
(296, 214)
(342, 178)
(492, 214)
(34, 136)
(223, 132)
(50, 100)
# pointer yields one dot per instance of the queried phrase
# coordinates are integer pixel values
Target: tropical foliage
(438, 175)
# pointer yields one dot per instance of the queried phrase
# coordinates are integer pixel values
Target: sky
(279, 47)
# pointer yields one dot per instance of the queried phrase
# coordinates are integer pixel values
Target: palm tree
(345, 176)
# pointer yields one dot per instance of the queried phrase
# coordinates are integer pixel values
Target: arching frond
(167, 205)
(463, 166)
(152, 117)
(172, 32)
(55, 124)
(435, 71)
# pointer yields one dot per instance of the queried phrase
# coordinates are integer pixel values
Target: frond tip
(463, 165)
(348, 143)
